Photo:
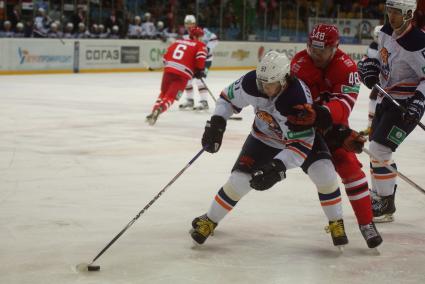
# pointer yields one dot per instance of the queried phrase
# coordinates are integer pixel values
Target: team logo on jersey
(396, 135)
(272, 123)
(385, 67)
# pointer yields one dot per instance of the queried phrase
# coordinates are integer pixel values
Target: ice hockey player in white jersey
(211, 41)
(400, 70)
(272, 147)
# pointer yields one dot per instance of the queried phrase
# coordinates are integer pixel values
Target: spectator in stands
(19, 30)
(69, 28)
(82, 33)
(135, 29)
(102, 32)
(148, 27)
(54, 31)
(7, 30)
(41, 23)
(94, 32)
(115, 32)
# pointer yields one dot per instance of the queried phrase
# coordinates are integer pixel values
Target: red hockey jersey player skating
(183, 60)
(334, 83)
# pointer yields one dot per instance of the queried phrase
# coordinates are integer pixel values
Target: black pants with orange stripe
(255, 153)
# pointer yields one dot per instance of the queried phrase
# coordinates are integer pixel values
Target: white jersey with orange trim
(269, 125)
(402, 61)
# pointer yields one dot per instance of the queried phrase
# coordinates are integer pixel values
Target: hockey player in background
(272, 147)
(211, 41)
(183, 60)
(400, 69)
(334, 83)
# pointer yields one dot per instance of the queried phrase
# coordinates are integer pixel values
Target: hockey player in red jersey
(183, 60)
(334, 82)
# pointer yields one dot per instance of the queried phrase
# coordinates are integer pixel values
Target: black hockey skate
(203, 227)
(203, 105)
(151, 119)
(371, 235)
(337, 231)
(188, 105)
(383, 208)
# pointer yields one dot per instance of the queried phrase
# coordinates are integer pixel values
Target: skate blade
(195, 244)
(387, 218)
(374, 251)
(340, 248)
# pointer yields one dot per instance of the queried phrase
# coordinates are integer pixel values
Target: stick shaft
(148, 205)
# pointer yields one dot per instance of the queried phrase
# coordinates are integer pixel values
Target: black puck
(93, 267)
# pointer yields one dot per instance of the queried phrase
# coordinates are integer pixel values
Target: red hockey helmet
(324, 35)
(196, 32)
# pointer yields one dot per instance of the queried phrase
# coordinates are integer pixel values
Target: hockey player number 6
(179, 51)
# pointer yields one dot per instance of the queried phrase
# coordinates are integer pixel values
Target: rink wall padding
(47, 56)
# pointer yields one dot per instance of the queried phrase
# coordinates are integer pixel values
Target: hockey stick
(91, 267)
(403, 109)
(393, 170)
(147, 66)
(215, 100)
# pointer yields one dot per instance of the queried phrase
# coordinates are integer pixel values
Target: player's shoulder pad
(249, 85)
(297, 93)
(342, 62)
(413, 40)
(387, 29)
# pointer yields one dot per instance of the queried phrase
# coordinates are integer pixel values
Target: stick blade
(85, 267)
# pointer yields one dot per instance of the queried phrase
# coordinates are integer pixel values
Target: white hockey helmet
(403, 5)
(190, 19)
(375, 32)
(20, 26)
(159, 24)
(272, 68)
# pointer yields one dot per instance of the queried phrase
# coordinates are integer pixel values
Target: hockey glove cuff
(266, 176)
(213, 134)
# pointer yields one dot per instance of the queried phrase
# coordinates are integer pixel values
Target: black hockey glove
(266, 176)
(342, 136)
(213, 134)
(200, 74)
(414, 109)
(369, 69)
(310, 115)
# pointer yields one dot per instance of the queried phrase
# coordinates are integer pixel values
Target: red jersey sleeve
(201, 56)
(345, 85)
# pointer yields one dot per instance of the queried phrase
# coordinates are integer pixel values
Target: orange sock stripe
(382, 177)
(332, 202)
(221, 202)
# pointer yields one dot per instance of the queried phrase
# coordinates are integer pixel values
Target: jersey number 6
(179, 51)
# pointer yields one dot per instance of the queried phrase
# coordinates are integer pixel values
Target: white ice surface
(78, 162)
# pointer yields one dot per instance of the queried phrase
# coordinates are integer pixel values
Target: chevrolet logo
(240, 54)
